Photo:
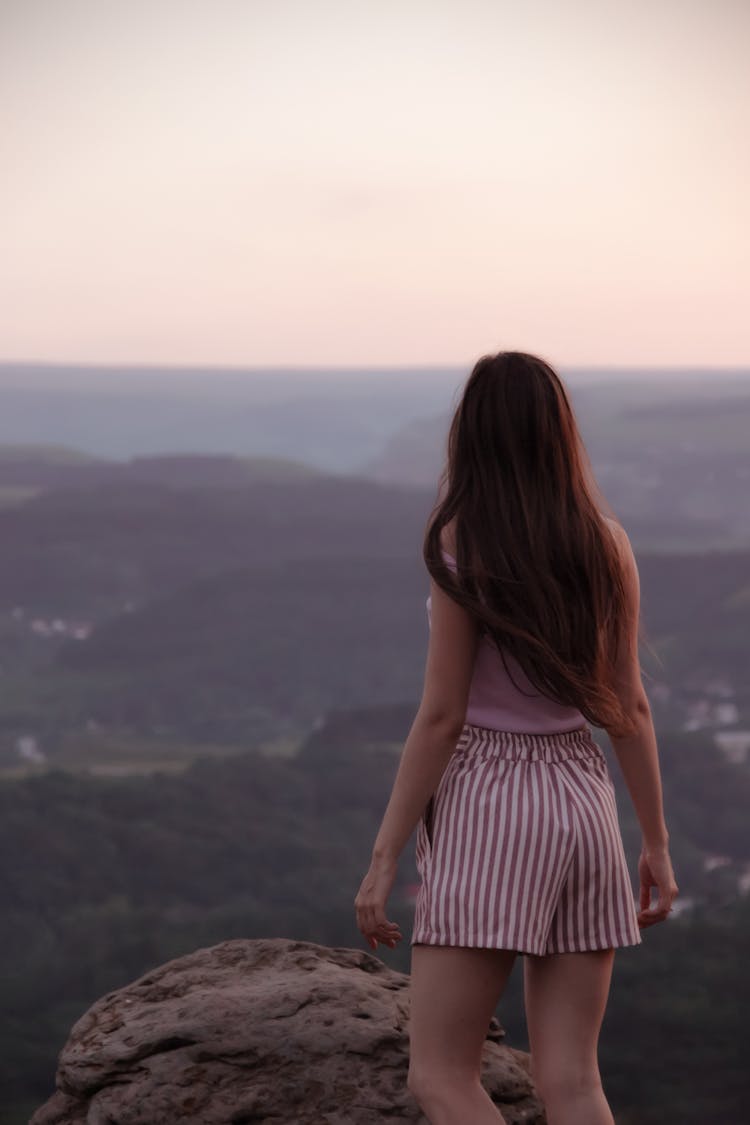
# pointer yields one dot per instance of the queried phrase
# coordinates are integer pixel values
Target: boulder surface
(250, 1031)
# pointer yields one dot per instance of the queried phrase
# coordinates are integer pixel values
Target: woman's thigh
(453, 994)
(565, 997)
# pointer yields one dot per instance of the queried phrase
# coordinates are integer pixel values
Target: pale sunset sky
(338, 182)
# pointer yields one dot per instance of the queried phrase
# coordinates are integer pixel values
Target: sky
(364, 182)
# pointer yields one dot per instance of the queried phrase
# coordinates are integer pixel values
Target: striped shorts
(519, 847)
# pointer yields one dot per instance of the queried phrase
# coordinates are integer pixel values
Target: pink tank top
(495, 701)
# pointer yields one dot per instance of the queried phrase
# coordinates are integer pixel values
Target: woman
(534, 628)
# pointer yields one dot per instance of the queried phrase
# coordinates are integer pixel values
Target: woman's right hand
(655, 870)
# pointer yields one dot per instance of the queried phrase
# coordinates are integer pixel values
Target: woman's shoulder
(624, 548)
(618, 531)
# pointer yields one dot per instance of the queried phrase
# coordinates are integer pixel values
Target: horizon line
(392, 366)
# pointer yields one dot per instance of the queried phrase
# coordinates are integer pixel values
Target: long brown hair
(536, 563)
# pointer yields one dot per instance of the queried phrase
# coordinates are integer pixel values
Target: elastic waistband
(556, 746)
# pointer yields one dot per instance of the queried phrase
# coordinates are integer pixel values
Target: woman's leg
(452, 996)
(565, 997)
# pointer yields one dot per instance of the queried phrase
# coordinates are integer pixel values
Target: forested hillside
(103, 878)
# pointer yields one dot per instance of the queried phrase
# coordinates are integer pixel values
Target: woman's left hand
(370, 905)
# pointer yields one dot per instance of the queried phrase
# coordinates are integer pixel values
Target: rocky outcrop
(270, 1030)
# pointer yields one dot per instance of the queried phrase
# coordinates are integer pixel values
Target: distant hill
(133, 533)
(331, 419)
(58, 467)
(293, 572)
(42, 455)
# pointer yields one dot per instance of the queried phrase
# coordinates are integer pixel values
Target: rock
(270, 1030)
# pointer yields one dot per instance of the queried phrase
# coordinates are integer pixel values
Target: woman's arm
(428, 748)
(637, 753)
(437, 724)
(638, 757)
